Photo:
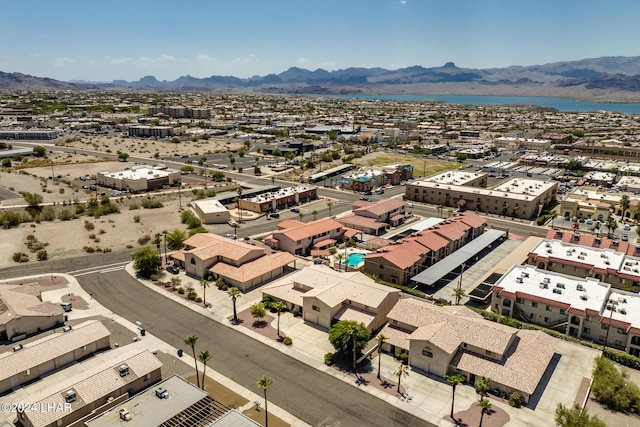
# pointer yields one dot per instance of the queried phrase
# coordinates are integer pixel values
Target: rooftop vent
(584, 297)
(125, 415)
(70, 396)
(557, 291)
(123, 370)
(17, 347)
(66, 328)
(622, 300)
(623, 311)
(162, 393)
(580, 287)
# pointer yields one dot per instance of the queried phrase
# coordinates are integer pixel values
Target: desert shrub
(151, 204)
(181, 290)
(295, 311)
(287, 341)
(88, 225)
(89, 249)
(133, 206)
(20, 257)
(153, 277)
(42, 255)
(143, 240)
(197, 299)
(515, 399)
(192, 295)
(403, 357)
(65, 215)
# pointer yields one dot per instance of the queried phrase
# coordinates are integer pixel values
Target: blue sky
(104, 40)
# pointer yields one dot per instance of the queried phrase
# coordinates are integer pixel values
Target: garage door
(65, 359)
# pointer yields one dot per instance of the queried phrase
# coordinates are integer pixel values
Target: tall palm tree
(339, 256)
(314, 213)
(191, 340)
(329, 205)
(402, 371)
(235, 226)
(205, 284)
(234, 293)
(440, 208)
(300, 215)
(482, 386)
(597, 227)
(279, 307)
(625, 204)
(454, 380)
(204, 357)
(240, 190)
(485, 405)
(264, 383)
(381, 340)
(611, 224)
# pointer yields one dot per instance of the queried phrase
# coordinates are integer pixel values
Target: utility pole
(459, 284)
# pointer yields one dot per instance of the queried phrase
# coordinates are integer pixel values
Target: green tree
(611, 224)
(147, 261)
(39, 151)
(440, 208)
(612, 388)
(191, 341)
(402, 371)
(482, 386)
(300, 215)
(458, 293)
(258, 311)
(485, 406)
(454, 380)
(576, 417)
(175, 239)
(33, 200)
(265, 383)
(315, 214)
(205, 284)
(381, 339)
(234, 293)
(339, 257)
(329, 205)
(279, 307)
(625, 204)
(122, 156)
(553, 214)
(235, 227)
(204, 357)
(349, 337)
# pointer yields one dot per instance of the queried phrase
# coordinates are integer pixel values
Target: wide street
(311, 395)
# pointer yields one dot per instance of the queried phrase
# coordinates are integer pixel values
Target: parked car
(627, 227)
(173, 269)
(275, 215)
(66, 306)
(625, 238)
(295, 210)
(380, 191)
(368, 193)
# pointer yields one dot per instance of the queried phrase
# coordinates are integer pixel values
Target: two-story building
(299, 238)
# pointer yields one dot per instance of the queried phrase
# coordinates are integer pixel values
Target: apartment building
(374, 217)
(442, 340)
(584, 308)
(281, 198)
(594, 203)
(29, 135)
(27, 362)
(324, 296)
(604, 264)
(299, 238)
(371, 178)
(405, 258)
(240, 264)
(179, 112)
(150, 131)
(517, 197)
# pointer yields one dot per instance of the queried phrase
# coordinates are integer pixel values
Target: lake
(561, 104)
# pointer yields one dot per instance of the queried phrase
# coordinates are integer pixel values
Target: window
(147, 377)
(532, 316)
(426, 352)
(548, 308)
(519, 301)
(601, 338)
(27, 372)
(546, 320)
(618, 343)
(381, 267)
(315, 308)
(563, 311)
(193, 261)
(586, 330)
(604, 326)
(622, 331)
(588, 319)
(534, 304)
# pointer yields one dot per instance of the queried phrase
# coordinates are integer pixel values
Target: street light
(164, 232)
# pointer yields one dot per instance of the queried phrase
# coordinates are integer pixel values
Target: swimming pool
(354, 259)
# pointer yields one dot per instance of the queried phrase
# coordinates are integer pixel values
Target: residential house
(299, 238)
(374, 217)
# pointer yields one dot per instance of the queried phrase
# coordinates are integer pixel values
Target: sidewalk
(147, 342)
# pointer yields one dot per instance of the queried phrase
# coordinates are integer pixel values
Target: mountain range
(617, 77)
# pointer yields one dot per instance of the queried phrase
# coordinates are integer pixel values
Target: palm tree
(625, 204)
(264, 383)
(458, 293)
(314, 213)
(553, 215)
(339, 256)
(485, 405)
(300, 215)
(454, 380)
(482, 386)
(240, 189)
(234, 293)
(279, 307)
(191, 340)
(611, 224)
(597, 227)
(440, 208)
(329, 205)
(235, 226)
(402, 371)
(205, 284)
(204, 357)
(381, 340)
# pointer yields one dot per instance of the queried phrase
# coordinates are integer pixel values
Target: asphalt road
(313, 396)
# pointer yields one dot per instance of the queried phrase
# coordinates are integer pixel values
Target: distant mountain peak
(449, 65)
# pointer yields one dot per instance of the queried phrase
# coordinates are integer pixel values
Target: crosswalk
(108, 268)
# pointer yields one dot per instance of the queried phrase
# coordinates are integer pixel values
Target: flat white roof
(141, 172)
(537, 188)
(587, 293)
(599, 176)
(456, 177)
(209, 205)
(626, 305)
(283, 192)
(526, 186)
(602, 258)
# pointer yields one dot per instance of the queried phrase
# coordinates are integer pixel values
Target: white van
(66, 306)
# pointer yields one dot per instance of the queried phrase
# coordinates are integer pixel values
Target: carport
(440, 269)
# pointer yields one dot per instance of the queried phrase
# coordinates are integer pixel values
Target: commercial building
(171, 402)
(240, 264)
(371, 178)
(324, 296)
(83, 396)
(29, 135)
(517, 197)
(300, 238)
(455, 339)
(139, 178)
(594, 203)
(23, 313)
(28, 362)
(210, 211)
(179, 112)
(281, 198)
(514, 143)
(584, 308)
